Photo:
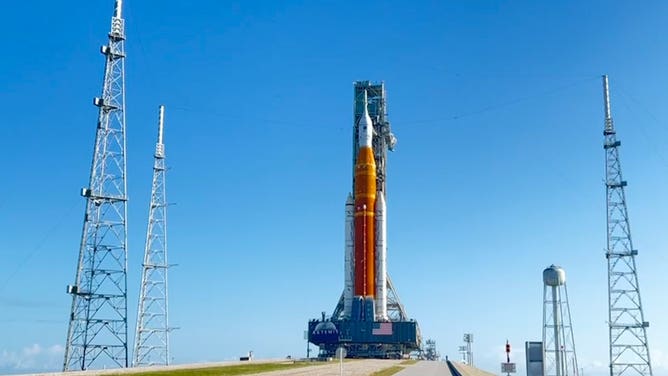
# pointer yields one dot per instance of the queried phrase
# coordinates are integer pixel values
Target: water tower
(558, 343)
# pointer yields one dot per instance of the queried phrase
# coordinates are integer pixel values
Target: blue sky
(497, 174)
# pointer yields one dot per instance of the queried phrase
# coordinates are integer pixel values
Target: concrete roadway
(367, 367)
(350, 368)
(426, 368)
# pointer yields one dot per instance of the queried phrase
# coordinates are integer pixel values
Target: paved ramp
(466, 370)
(351, 368)
(426, 368)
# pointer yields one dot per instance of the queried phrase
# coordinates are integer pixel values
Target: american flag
(382, 329)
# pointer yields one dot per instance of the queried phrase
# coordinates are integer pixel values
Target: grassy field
(242, 369)
(408, 362)
(388, 371)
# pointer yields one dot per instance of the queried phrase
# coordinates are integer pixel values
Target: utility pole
(468, 340)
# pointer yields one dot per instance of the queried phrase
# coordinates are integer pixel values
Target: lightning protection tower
(629, 350)
(468, 340)
(152, 336)
(97, 332)
(558, 342)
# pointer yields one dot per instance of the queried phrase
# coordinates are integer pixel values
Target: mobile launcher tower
(369, 321)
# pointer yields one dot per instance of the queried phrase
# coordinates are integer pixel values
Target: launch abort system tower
(369, 321)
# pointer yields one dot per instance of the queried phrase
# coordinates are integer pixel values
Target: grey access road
(426, 368)
(353, 368)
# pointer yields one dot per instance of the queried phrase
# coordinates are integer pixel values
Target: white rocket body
(349, 266)
(381, 257)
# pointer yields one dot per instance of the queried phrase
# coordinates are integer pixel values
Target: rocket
(366, 233)
(365, 210)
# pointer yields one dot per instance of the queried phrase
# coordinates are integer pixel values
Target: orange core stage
(365, 223)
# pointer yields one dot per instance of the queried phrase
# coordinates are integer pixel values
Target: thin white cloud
(659, 361)
(35, 357)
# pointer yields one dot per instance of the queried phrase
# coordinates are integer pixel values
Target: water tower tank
(554, 276)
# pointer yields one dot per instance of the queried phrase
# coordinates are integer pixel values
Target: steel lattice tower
(152, 336)
(97, 332)
(629, 350)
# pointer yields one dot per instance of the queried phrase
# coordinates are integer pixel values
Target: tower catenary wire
(152, 331)
(629, 349)
(97, 332)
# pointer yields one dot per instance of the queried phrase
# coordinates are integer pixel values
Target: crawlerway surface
(350, 368)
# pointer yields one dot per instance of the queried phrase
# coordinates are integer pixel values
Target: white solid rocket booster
(349, 257)
(381, 257)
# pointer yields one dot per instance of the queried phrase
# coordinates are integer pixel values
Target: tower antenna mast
(152, 336)
(97, 332)
(629, 350)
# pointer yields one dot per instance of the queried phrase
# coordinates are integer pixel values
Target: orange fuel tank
(365, 211)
